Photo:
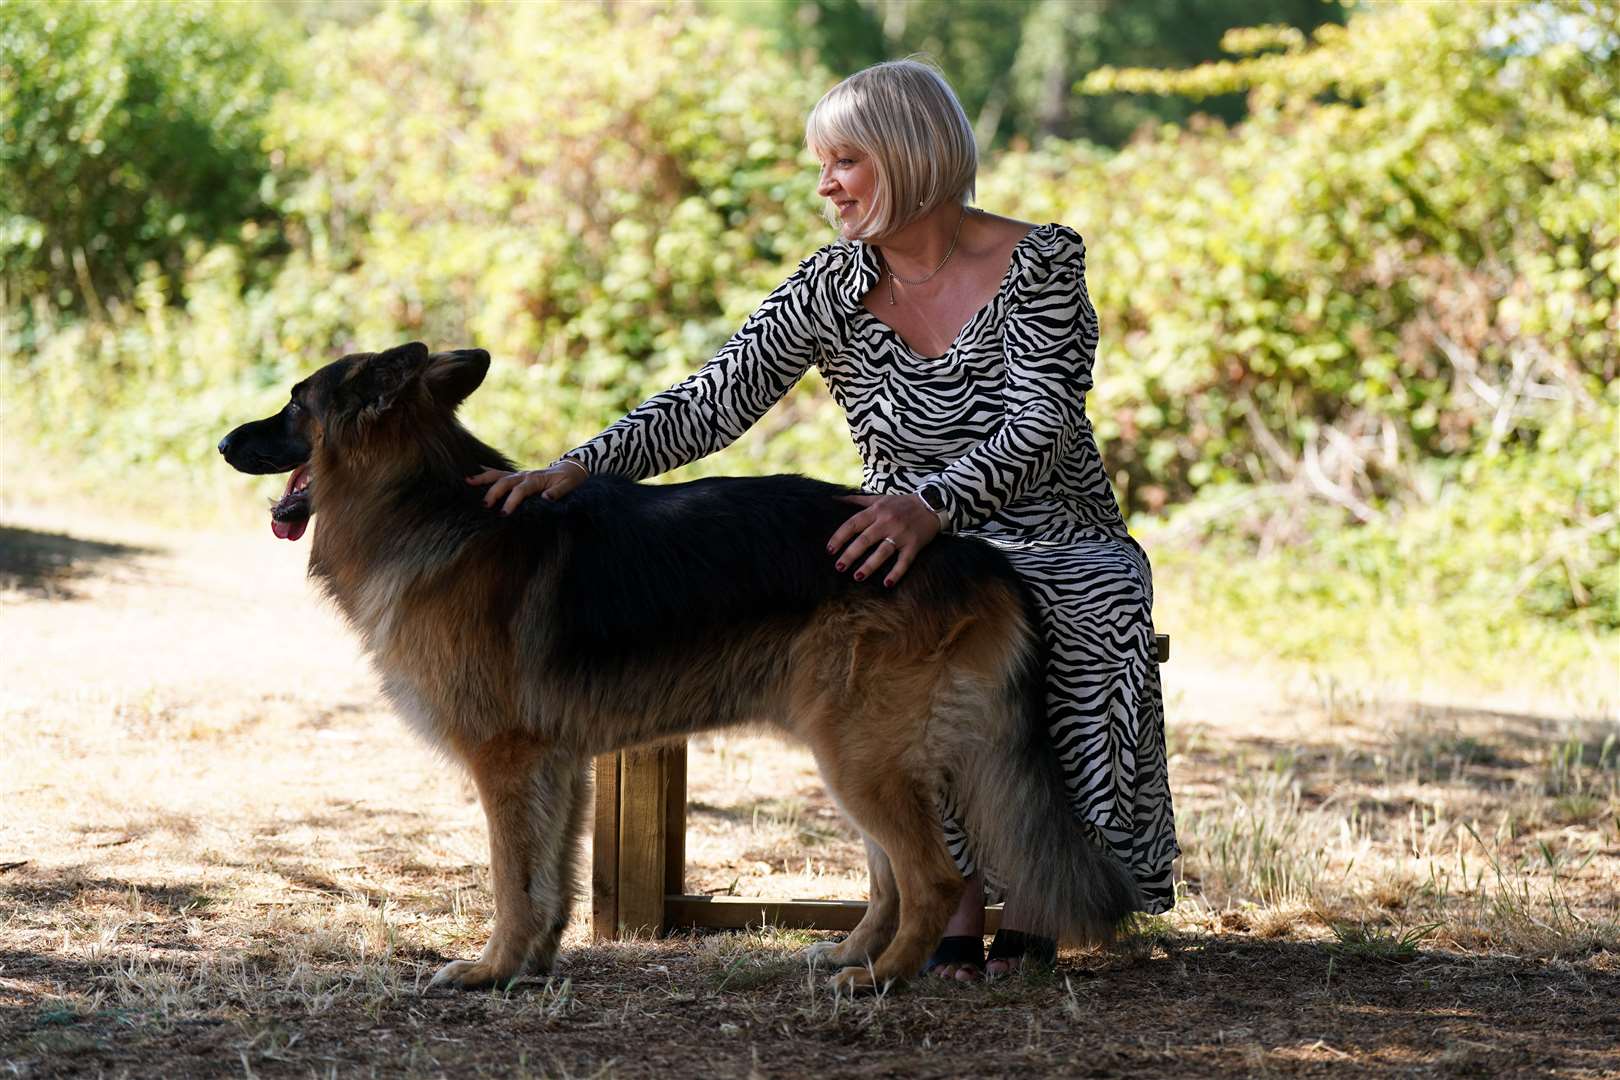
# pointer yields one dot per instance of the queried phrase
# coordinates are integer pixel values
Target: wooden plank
(644, 780)
(742, 912)
(605, 850)
(675, 818)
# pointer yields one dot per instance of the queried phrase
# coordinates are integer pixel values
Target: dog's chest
(413, 708)
(375, 608)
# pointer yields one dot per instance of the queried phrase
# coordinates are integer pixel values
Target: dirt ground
(220, 855)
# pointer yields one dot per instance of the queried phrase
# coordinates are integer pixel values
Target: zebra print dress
(998, 425)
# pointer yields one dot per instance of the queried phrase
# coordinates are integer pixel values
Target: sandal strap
(958, 949)
(1017, 945)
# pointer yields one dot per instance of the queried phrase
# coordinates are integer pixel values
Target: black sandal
(964, 950)
(1035, 951)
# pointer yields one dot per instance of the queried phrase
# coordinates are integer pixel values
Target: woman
(960, 346)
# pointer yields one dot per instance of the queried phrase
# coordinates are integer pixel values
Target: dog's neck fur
(375, 533)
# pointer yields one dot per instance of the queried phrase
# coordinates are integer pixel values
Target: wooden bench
(638, 857)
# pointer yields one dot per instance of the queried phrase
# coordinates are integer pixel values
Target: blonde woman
(960, 345)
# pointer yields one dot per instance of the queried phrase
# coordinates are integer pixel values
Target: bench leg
(638, 847)
(605, 850)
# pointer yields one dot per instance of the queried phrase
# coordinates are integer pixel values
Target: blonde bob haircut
(905, 117)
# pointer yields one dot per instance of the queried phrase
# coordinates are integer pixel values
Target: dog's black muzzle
(265, 446)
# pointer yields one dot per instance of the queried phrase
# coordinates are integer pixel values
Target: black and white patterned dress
(999, 425)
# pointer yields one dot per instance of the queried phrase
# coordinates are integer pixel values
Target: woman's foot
(960, 956)
(1012, 950)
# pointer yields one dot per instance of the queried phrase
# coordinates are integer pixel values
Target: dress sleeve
(1049, 336)
(710, 408)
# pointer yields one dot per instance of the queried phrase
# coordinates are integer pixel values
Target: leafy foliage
(565, 193)
(599, 194)
(1387, 298)
(1012, 62)
(131, 133)
(1340, 295)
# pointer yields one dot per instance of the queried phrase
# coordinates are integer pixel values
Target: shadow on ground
(44, 565)
(1215, 1005)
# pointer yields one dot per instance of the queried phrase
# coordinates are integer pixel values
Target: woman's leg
(966, 921)
(1012, 918)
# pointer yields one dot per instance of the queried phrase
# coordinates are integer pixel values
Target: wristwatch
(931, 498)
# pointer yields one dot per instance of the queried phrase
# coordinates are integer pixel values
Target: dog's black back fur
(651, 564)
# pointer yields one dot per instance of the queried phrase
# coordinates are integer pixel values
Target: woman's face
(849, 183)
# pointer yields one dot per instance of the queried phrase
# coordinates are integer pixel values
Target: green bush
(1508, 564)
(1408, 253)
(1389, 299)
(598, 196)
(129, 133)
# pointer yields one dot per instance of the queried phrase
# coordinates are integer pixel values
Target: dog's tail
(1007, 787)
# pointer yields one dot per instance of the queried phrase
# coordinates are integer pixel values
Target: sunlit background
(1356, 270)
(1358, 389)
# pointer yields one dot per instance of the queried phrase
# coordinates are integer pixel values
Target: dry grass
(220, 856)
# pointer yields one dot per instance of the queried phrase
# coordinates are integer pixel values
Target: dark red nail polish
(860, 575)
(840, 566)
(889, 582)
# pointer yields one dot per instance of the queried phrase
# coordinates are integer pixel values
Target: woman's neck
(917, 248)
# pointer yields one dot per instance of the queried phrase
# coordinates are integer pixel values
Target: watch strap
(930, 497)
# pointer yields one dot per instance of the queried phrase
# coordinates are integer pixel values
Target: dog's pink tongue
(288, 530)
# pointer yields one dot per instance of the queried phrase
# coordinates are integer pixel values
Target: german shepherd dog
(623, 614)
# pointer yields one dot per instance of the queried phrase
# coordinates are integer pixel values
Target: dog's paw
(856, 980)
(828, 954)
(472, 975)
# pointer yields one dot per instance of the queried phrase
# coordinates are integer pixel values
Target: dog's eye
(294, 408)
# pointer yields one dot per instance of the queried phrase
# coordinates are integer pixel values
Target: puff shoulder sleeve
(1049, 337)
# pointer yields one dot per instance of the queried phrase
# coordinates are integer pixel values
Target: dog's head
(361, 402)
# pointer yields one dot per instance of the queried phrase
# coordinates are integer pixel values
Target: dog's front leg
(533, 797)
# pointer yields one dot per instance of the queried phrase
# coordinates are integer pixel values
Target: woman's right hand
(552, 482)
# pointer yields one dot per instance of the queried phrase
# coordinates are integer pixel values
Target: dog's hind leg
(898, 814)
(876, 928)
(533, 797)
(894, 807)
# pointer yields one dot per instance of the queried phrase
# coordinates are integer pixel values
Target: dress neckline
(870, 261)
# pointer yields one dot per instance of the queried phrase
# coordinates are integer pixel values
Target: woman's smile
(848, 181)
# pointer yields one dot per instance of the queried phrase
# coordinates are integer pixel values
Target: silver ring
(887, 540)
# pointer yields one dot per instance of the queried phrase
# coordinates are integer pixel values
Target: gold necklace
(923, 280)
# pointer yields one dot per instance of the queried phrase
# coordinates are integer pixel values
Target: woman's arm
(703, 413)
(709, 409)
(1050, 339)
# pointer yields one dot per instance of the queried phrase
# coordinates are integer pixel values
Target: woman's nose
(826, 186)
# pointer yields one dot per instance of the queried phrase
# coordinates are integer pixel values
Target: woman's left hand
(890, 526)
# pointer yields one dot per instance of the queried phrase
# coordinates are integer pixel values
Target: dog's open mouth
(289, 515)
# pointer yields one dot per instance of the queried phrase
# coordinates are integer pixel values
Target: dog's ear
(451, 376)
(370, 387)
(392, 368)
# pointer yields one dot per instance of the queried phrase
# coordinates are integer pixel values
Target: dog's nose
(225, 445)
